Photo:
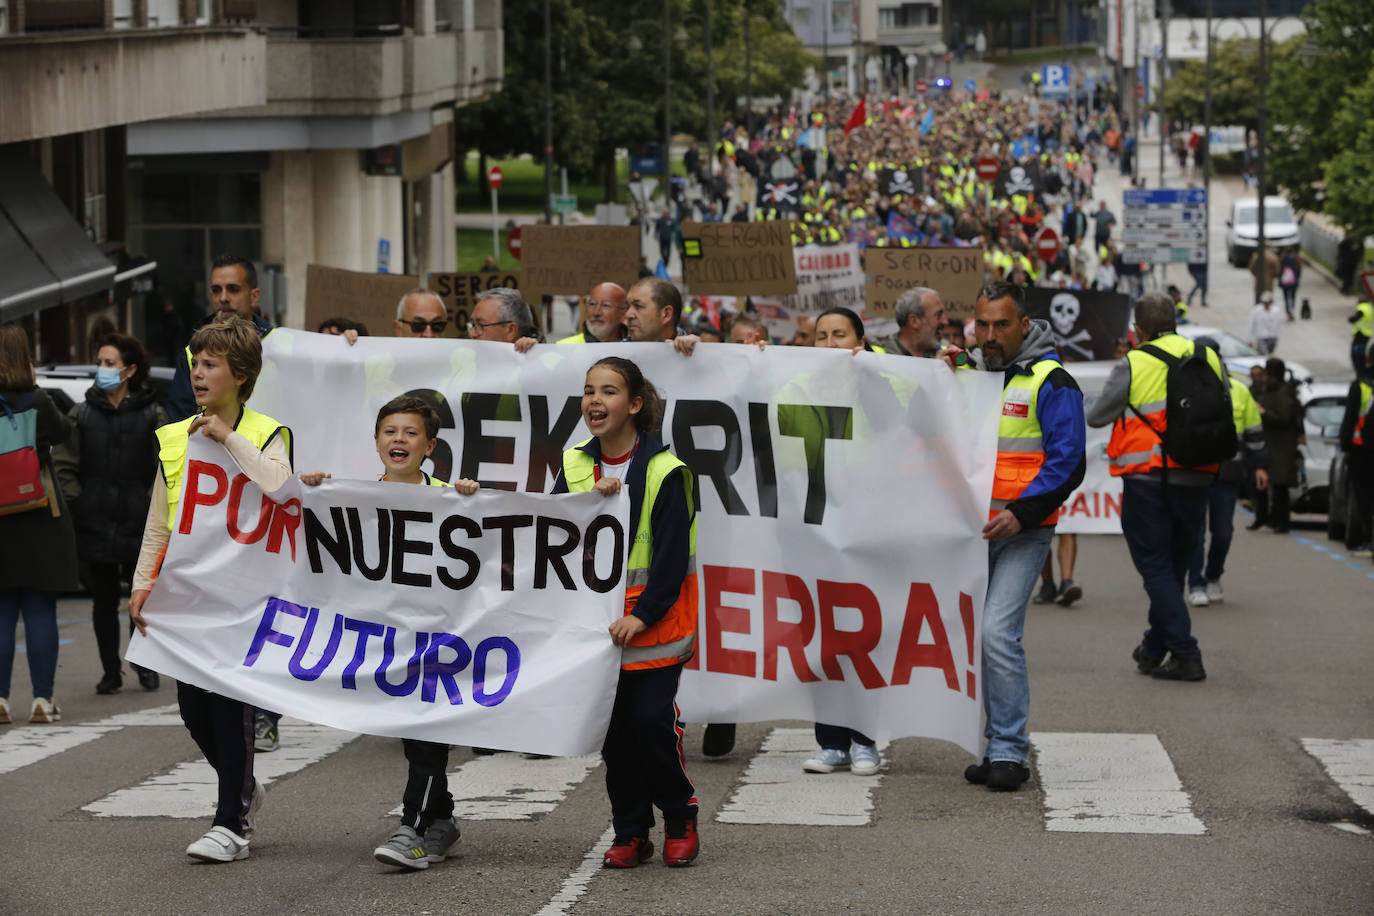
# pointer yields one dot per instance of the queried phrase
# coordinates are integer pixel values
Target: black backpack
(1199, 427)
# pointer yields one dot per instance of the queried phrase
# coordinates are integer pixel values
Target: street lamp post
(548, 114)
(667, 99)
(1207, 140)
(1262, 138)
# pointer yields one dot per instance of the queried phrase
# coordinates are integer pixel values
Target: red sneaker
(627, 852)
(680, 844)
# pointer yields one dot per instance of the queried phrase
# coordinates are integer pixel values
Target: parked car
(1340, 496)
(1323, 407)
(67, 385)
(1281, 228)
(1239, 356)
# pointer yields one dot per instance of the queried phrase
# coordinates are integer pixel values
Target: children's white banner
(408, 611)
(841, 501)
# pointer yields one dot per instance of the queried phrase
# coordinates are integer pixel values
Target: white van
(1242, 229)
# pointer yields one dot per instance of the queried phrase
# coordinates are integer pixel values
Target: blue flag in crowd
(928, 120)
(900, 228)
(662, 271)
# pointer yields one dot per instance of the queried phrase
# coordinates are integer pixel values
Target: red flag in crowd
(856, 119)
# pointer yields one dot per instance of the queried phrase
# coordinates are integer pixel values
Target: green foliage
(1235, 76)
(608, 76)
(1322, 150)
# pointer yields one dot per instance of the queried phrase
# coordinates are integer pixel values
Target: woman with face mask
(107, 465)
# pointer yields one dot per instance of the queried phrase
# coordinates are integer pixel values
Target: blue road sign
(1165, 197)
(1055, 80)
(970, 85)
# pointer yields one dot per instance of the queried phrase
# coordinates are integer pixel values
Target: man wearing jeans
(1163, 503)
(1040, 460)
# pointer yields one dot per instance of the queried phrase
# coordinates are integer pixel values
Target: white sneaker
(863, 759)
(220, 844)
(1197, 598)
(255, 804)
(45, 711)
(1214, 593)
(827, 760)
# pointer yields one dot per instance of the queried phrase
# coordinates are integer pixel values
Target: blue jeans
(39, 610)
(1013, 570)
(1162, 525)
(1221, 509)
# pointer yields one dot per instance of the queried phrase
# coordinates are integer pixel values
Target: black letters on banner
(717, 464)
(479, 449)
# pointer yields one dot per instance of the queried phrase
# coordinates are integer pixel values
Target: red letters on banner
(276, 521)
(816, 626)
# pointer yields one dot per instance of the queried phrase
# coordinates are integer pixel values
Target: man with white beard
(605, 309)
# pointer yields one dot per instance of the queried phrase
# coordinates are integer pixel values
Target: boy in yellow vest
(226, 357)
(406, 432)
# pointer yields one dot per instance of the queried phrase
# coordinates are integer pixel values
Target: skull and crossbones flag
(906, 182)
(1021, 178)
(780, 193)
(1086, 324)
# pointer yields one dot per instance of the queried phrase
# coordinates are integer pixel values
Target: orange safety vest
(672, 640)
(1020, 442)
(1136, 446)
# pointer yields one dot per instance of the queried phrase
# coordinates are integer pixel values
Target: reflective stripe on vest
(1136, 446)
(255, 427)
(1366, 401)
(673, 639)
(1020, 440)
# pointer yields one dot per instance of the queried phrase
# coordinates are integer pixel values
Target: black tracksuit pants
(223, 730)
(426, 798)
(643, 752)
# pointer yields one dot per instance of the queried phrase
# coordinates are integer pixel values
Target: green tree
(1315, 149)
(1235, 76)
(608, 76)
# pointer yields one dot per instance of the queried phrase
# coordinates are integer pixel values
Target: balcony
(909, 36)
(62, 83)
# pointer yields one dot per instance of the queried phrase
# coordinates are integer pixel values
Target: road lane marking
(775, 789)
(509, 787)
(189, 789)
(1110, 783)
(1349, 763)
(575, 885)
(23, 745)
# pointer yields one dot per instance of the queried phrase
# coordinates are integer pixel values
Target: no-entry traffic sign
(921, 87)
(494, 176)
(988, 168)
(513, 242)
(1047, 244)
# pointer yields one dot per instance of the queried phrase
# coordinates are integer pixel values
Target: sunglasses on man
(418, 325)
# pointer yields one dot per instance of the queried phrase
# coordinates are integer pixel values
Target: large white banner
(1095, 507)
(408, 611)
(841, 499)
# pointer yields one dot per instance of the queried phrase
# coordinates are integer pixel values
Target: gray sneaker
(405, 848)
(440, 838)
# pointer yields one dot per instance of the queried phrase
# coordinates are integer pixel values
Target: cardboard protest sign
(461, 292)
(827, 276)
(954, 273)
(1086, 323)
(570, 260)
(370, 298)
(739, 259)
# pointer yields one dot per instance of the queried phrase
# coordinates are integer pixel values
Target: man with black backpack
(1170, 409)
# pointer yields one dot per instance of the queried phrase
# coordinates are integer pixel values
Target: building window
(93, 186)
(887, 18)
(801, 17)
(839, 13)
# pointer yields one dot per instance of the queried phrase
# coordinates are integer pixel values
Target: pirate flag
(1086, 323)
(906, 182)
(1021, 178)
(780, 193)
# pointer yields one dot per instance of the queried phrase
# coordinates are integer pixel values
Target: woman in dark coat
(1281, 416)
(38, 559)
(107, 466)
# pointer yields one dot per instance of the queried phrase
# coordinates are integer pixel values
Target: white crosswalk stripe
(1350, 764)
(775, 789)
(1111, 783)
(509, 787)
(24, 745)
(189, 789)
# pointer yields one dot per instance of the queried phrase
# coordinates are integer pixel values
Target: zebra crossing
(1091, 782)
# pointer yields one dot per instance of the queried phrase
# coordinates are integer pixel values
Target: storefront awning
(41, 244)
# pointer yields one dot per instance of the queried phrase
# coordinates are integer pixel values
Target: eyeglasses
(418, 325)
(604, 304)
(481, 326)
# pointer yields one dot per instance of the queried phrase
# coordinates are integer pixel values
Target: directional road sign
(1164, 225)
